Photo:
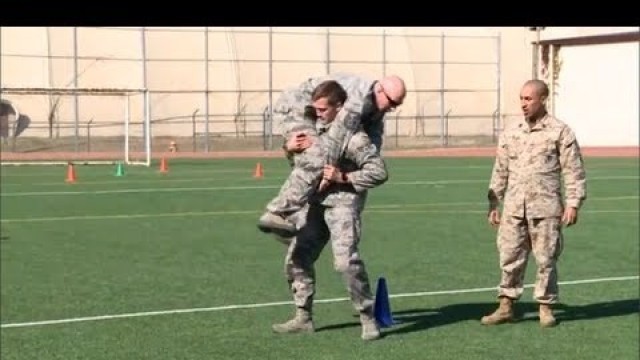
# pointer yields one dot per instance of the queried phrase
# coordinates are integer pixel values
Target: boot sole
(500, 322)
(371, 338)
(296, 331)
(269, 228)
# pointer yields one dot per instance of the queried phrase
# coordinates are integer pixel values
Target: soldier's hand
(323, 185)
(292, 142)
(304, 142)
(298, 142)
(570, 216)
(494, 217)
(330, 173)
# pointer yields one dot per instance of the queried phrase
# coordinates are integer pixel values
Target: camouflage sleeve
(499, 174)
(289, 112)
(572, 169)
(294, 103)
(346, 123)
(310, 84)
(288, 154)
(372, 170)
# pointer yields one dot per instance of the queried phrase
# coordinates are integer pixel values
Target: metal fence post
(76, 105)
(206, 90)
(446, 128)
(268, 120)
(442, 87)
(384, 52)
(498, 80)
(194, 133)
(143, 47)
(328, 51)
(397, 120)
(50, 83)
(89, 135)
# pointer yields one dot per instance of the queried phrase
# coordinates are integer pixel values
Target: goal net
(82, 125)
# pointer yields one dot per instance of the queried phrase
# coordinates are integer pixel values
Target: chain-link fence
(211, 89)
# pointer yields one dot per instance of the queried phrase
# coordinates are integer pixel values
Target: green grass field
(152, 266)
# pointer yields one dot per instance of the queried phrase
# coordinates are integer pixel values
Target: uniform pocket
(513, 152)
(548, 149)
(548, 152)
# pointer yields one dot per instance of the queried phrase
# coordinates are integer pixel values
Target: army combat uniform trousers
(340, 225)
(517, 238)
(302, 181)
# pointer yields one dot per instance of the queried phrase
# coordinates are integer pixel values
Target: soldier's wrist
(491, 209)
(573, 203)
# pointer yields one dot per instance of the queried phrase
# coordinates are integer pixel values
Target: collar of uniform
(539, 125)
(370, 106)
(372, 87)
(322, 127)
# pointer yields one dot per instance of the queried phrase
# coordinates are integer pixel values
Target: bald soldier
(366, 105)
(532, 156)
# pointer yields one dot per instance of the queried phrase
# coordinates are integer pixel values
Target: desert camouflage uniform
(294, 113)
(527, 179)
(335, 215)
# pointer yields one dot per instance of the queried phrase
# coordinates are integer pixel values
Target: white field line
(255, 187)
(282, 303)
(206, 188)
(210, 177)
(212, 171)
(382, 208)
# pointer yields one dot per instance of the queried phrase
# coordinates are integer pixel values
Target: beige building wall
(240, 74)
(596, 90)
(561, 32)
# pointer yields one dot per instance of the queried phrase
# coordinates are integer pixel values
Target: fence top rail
(322, 31)
(69, 91)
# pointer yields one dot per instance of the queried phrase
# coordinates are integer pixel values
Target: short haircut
(336, 95)
(541, 87)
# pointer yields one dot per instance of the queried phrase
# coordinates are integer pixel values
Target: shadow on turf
(339, 326)
(408, 321)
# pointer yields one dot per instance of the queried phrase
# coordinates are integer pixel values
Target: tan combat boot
(279, 225)
(546, 316)
(503, 314)
(301, 322)
(370, 329)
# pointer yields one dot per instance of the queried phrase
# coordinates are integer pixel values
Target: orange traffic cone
(164, 166)
(258, 173)
(71, 173)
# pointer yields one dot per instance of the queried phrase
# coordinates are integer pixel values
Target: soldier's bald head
(541, 88)
(394, 87)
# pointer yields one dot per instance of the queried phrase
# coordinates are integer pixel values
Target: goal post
(146, 133)
(80, 125)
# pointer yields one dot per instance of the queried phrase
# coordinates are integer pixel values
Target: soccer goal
(80, 125)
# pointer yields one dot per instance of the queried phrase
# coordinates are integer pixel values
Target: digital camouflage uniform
(289, 111)
(335, 216)
(526, 178)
